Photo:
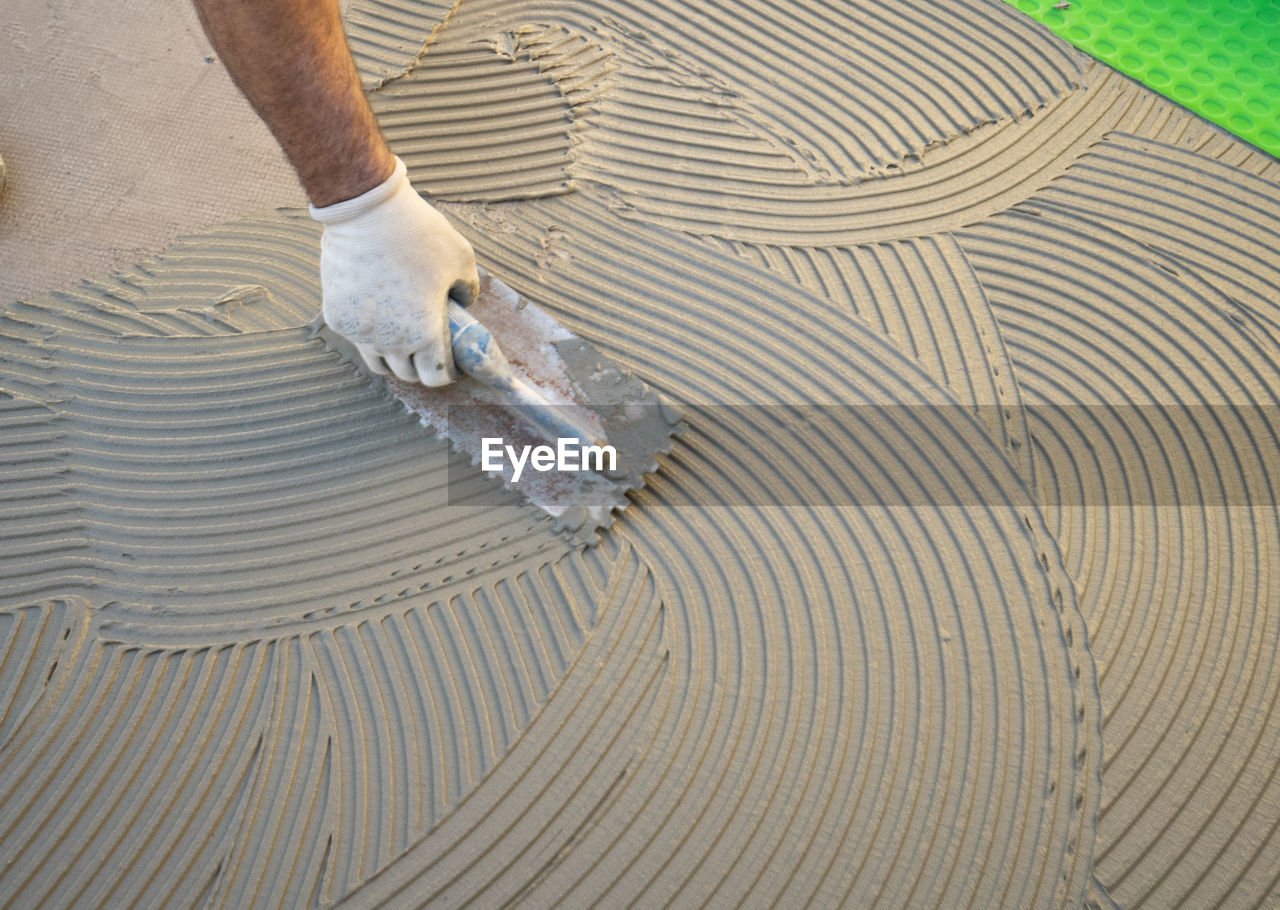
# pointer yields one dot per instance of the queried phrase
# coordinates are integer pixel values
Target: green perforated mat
(1221, 58)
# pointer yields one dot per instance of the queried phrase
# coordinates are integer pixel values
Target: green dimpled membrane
(1221, 58)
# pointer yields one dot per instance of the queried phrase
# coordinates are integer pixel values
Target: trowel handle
(478, 355)
(474, 350)
(459, 318)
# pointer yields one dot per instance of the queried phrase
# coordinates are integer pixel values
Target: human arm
(388, 259)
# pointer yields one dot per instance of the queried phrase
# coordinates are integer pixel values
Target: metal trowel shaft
(476, 353)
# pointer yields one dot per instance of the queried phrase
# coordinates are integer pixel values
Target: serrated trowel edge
(640, 422)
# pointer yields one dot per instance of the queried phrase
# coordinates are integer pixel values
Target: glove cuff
(365, 202)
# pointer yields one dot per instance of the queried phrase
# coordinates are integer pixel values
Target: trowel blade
(638, 422)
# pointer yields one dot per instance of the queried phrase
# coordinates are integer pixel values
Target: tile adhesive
(259, 647)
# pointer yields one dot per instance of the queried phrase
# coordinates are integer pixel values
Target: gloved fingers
(402, 366)
(431, 370)
(465, 291)
(386, 260)
(372, 359)
(434, 361)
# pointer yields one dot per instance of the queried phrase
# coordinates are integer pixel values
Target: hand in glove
(388, 263)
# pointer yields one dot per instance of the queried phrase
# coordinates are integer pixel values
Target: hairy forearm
(290, 59)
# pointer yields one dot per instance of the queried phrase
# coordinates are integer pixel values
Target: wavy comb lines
(1177, 597)
(471, 123)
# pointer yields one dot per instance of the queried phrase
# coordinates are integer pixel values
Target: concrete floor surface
(261, 647)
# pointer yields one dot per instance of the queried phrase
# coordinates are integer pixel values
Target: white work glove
(388, 262)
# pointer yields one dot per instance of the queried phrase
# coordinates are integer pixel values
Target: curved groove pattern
(254, 274)
(251, 654)
(471, 123)
(211, 471)
(937, 64)
(1176, 597)
(1211, 216)
(686, 150)
(566, 771)
(921, 57)
(691, 135)
(1174, 125)
(44, 536)
(34, 642)
(95, 737)
(968, 178)
(601, 286)
(245, 772)
(580, 67)
(387, 38)
(924, 296)
(731, 727)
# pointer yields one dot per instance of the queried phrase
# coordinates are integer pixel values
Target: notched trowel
(529, 382)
